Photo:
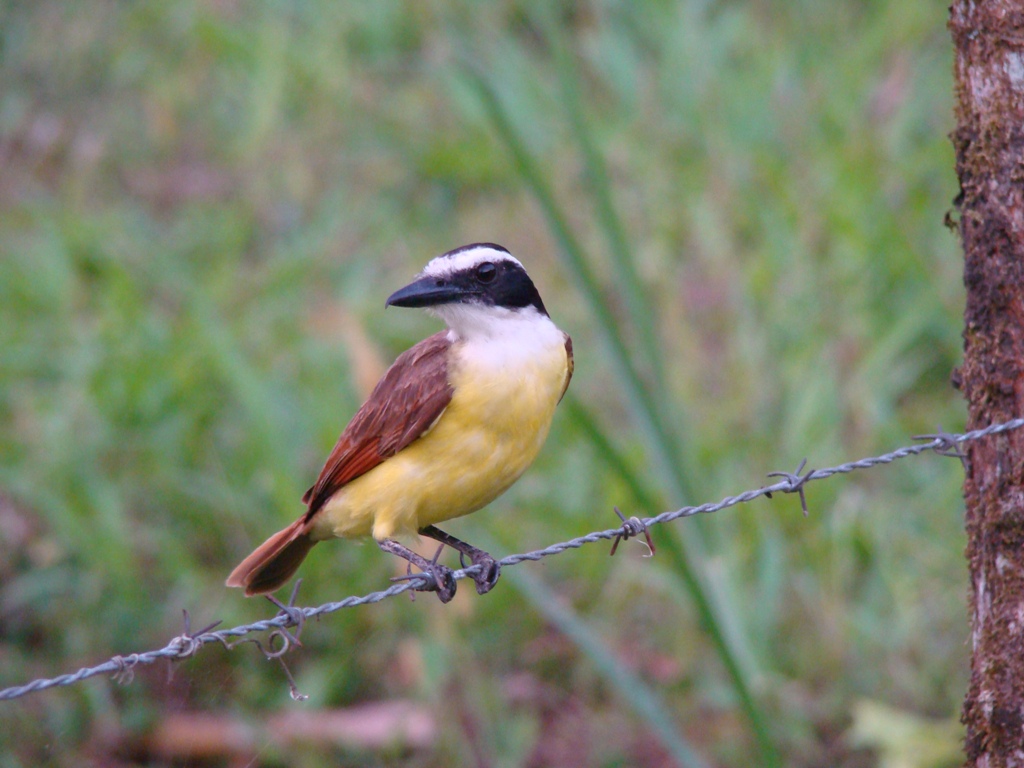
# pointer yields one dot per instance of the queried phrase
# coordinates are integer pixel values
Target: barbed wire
(186, 645)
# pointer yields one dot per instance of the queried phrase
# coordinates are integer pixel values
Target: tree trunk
(989, 140)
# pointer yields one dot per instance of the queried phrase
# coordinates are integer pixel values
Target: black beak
(427, 292)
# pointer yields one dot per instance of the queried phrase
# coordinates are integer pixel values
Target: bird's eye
(486, 272)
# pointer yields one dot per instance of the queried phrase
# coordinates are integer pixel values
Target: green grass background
(735, 209)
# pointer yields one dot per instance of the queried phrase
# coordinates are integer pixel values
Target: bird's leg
(490, 569)
(443, 582)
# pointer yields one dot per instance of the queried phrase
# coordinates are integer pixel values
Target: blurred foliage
(905, 740)
(735, 209)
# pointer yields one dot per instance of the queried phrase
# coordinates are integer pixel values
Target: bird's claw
(487, 576)
(487, 569)
(443, 582)
(433, 578)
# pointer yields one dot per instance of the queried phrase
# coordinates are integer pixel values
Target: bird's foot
(490, 569)
(487, 576)
(434, 577)
(440, 579)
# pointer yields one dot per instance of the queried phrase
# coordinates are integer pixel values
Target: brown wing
(404, 404)
(569, 366)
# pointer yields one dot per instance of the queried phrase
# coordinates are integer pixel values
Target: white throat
(512, 331)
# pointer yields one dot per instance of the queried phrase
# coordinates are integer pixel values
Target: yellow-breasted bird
(451, 425)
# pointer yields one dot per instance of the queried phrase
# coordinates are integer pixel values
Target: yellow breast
(491, 431)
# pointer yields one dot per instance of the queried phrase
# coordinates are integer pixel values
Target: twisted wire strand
(186, 645)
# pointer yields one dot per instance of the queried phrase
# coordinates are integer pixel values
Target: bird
(451, 425)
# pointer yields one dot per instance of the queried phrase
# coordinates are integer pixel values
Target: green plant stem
(637, 304)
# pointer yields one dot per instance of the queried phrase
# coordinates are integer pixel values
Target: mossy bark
(989, 140)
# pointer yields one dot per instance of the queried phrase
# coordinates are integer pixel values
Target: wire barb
(634, 526)
(945, 444)
(186, 644)
(796, 483)
(296, 618)
(124, 671)
(288, 615)
(429, 580)
(121, 667)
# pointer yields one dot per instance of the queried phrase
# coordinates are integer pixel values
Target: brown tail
(274, 561)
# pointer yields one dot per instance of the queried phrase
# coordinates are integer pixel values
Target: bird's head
(473, 288)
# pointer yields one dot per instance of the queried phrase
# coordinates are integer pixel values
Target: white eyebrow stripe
(445, 266)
